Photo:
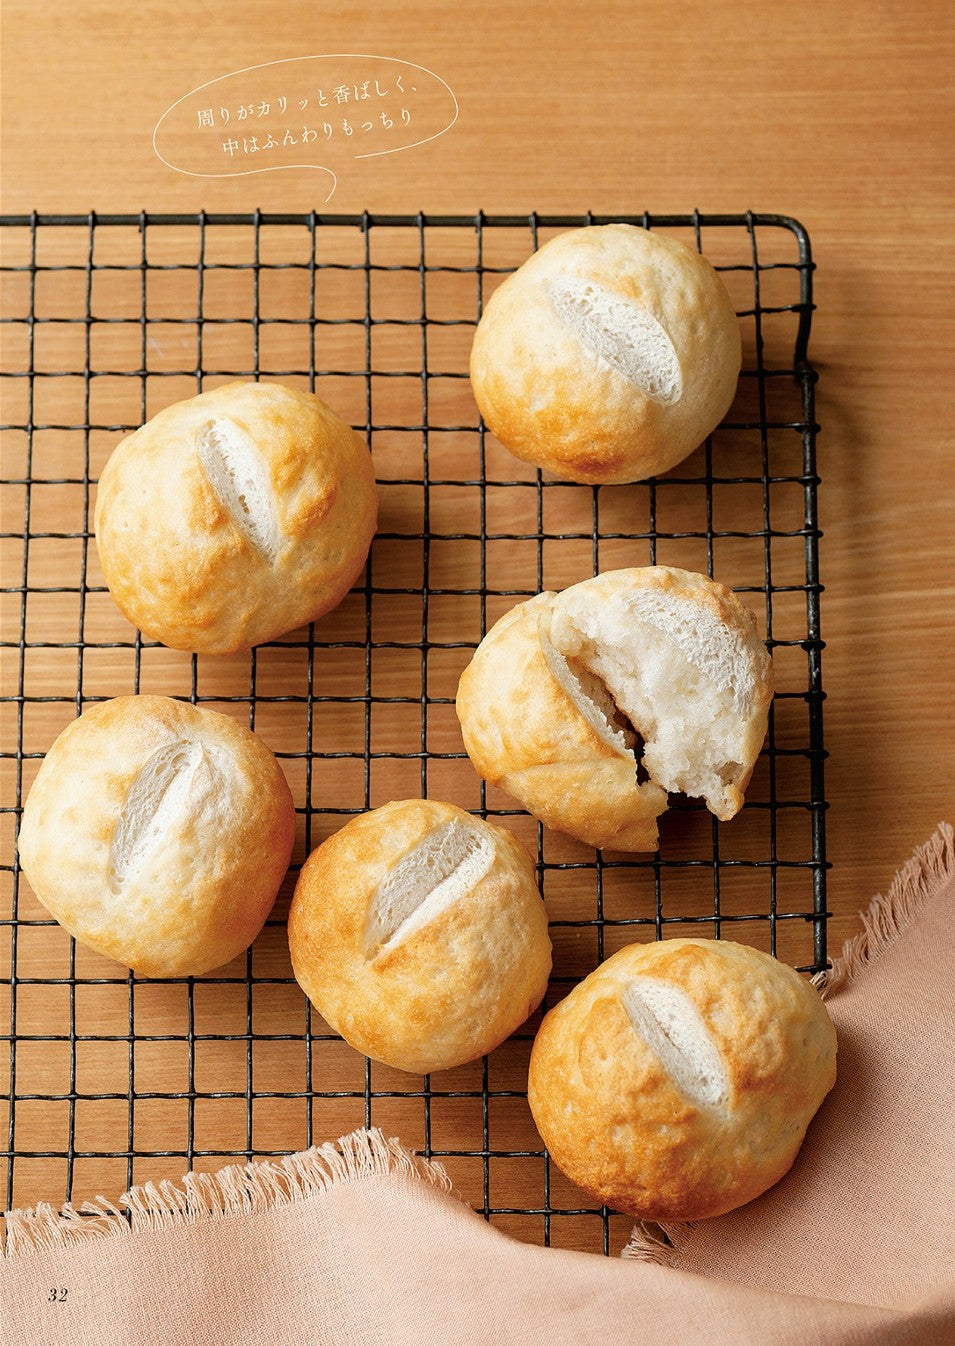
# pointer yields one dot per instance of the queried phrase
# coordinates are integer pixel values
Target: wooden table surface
(840, 115)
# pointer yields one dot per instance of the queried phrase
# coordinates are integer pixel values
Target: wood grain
(838, 114)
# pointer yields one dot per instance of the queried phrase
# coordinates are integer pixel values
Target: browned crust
(206, 898)
(618, 1127)
(174, 560)
(553, 402)
(446, 994)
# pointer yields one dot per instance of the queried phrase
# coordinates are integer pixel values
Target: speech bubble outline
(321, 168)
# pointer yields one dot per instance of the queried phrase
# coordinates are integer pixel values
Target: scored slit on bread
(440, 870)
(623, 333)
(239, 478)
(155, 799)
(672, 1027)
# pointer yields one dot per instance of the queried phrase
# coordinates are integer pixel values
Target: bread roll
(158, 834)
(235, 516)
(548, 734)
(608, 356)
(419, 935)
(565, 686)
(677, 1081)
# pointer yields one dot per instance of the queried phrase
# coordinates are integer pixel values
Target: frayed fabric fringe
(890, 913)
(239, 1189)
(886, 917)
(660, 1244)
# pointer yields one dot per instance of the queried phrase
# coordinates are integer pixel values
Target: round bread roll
(547, 732)
(608, 356)
(158, 834)
(235, 516)
(677, 1081)
(419, 934)
(566, 687)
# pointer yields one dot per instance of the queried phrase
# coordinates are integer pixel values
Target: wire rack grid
(114, 1079)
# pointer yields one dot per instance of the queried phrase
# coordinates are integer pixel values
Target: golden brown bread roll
(677, 1080)
(158, 834)
(235, 516)
(419, 934)
(558, 692)
(608, 356)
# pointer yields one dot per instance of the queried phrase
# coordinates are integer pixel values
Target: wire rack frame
(480, 1094)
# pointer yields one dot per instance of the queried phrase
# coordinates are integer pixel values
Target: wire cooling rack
(115, 1079)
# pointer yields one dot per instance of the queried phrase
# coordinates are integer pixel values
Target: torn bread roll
(235, 516)
(158, 834)
(567, 687)
(609, 356)
(548, 733)
(419, 934)
(677, 1081)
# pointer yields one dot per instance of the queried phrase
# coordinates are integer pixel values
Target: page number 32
(57, 1296)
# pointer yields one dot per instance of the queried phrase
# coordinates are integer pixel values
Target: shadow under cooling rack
(116, 1079)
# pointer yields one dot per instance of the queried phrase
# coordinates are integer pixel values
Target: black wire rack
(115, 1079)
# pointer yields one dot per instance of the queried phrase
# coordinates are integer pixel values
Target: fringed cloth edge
(238, 1189)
